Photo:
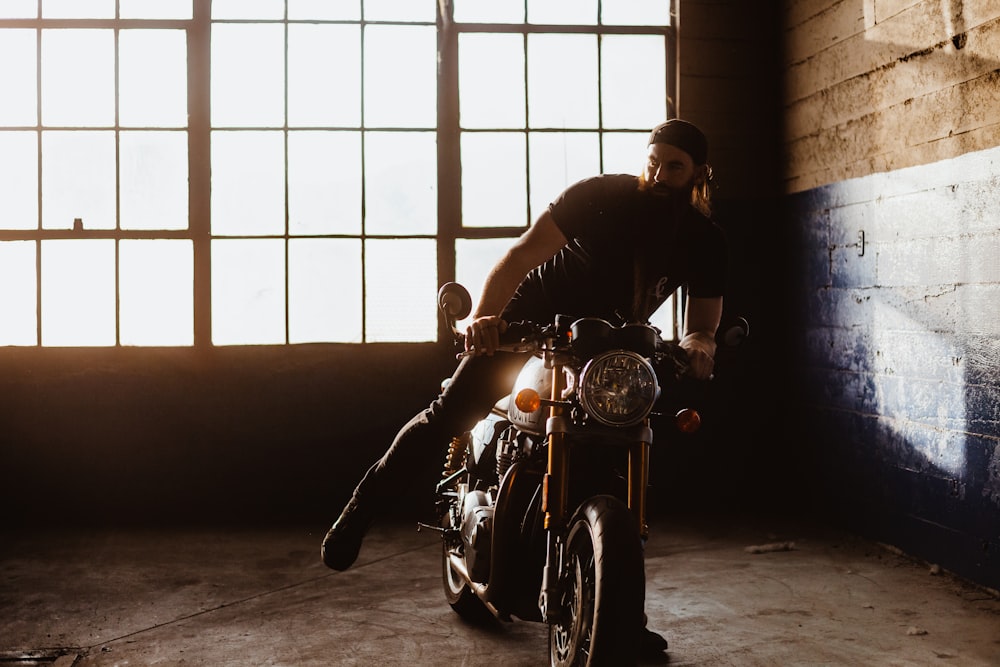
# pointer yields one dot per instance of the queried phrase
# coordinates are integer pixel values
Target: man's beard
(664, 190)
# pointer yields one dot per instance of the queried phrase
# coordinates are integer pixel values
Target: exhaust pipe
(457, 563)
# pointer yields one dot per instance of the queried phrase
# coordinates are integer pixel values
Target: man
(612, 246)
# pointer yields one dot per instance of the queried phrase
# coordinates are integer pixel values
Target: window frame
(198, 29)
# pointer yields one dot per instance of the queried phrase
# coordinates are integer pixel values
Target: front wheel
(603, 588)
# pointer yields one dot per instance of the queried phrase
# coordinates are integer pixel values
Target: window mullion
(199, 165)
(449, 155)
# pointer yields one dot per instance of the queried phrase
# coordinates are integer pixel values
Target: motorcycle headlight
(618, 388)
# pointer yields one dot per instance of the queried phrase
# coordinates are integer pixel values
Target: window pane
(248, 291)
(248, 9)
(625, 152)
(19, 9)
(78, 292)
(78, 179)
(400, 183)
(18, 297)
(153, 180)
(562, 81)
(491, 80)
(489, 11)
(18, 180)
(631, 95)
(563, 12)
(399, 10)
(18, 103)
(78, 77)
(78, 9)
(401, 290)
(635, 12)
(474, 258)
(152, 78)
(324, 75)
(248, 75)
(248, 183)
(493, 180)
(343, 10)
(557, 160)
(154, 9)
(324, 290)
(324, 182)
(156, 283)
(400, 76)
(665, 318)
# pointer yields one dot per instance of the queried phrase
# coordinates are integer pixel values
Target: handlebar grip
(516, 332)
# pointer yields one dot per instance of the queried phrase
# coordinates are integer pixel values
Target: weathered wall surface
(877, 85)
(244, 435)
(729, 84)
(892, 134)
(729, 79)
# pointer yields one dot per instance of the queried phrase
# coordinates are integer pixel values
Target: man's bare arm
(540, 242)
(701, 321)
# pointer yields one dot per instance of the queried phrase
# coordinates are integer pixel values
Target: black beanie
(684, 136)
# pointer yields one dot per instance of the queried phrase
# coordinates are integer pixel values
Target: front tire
(603, 586)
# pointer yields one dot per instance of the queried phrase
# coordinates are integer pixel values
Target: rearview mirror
(456, 304)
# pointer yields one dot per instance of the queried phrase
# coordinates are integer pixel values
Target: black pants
(416, 455)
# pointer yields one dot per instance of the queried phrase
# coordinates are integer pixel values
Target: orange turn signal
(688, 420)
(528, 400)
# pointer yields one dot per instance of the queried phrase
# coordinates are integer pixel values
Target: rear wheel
(459, 595)
(456, 590)
(461, 598)
(602, 588)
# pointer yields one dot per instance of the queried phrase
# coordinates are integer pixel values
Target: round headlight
(618, 388)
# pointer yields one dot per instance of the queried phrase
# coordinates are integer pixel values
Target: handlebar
(524, 336)
(518, 337)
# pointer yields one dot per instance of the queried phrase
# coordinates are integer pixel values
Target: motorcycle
(543, 504)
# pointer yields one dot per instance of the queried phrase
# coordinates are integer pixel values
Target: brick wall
(892, 128)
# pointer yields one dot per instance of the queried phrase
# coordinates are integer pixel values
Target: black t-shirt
(620, 238)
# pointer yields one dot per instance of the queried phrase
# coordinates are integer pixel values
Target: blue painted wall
(899, 357)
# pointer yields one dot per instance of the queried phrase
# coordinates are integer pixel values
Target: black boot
(343, 541)
(651, 644)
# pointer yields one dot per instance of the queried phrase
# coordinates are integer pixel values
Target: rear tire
(603, 586)
(461, 598)
(463, 601)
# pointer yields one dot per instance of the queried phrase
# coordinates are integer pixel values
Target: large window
(188, 173)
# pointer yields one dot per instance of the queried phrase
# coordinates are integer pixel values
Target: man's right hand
(482, 336)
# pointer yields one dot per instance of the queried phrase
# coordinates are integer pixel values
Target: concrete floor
(262, 597)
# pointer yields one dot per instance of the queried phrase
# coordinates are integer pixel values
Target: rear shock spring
(458, 449)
